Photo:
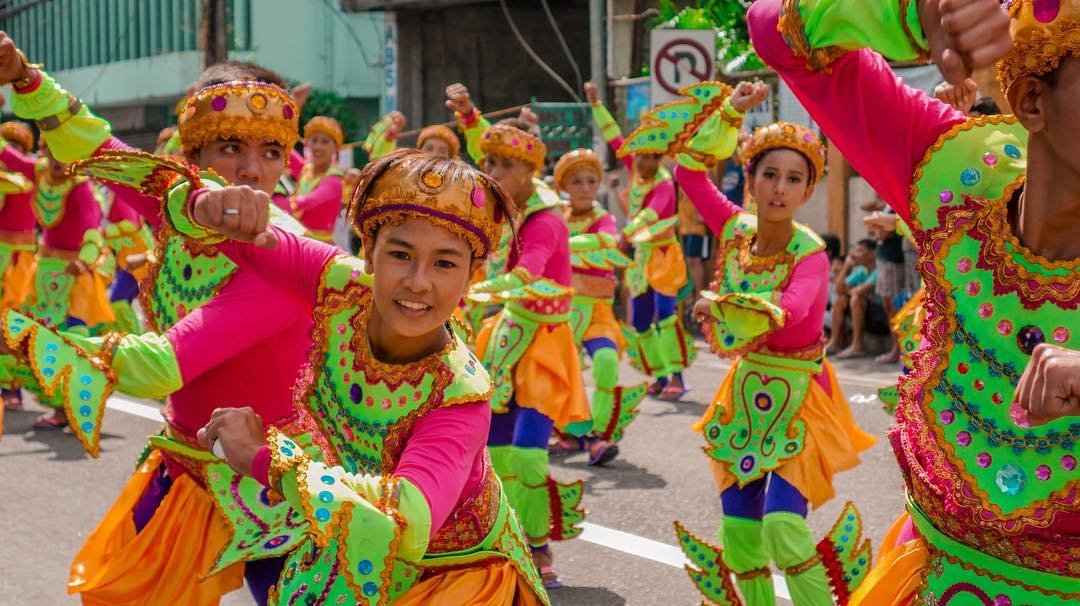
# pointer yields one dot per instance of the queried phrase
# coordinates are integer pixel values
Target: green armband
(177, 212)
(823, 30)
(643, 219)
(473, 134)
(70, 129)
(609, 128)
(92, 245)
(516, 278)
(145, 365)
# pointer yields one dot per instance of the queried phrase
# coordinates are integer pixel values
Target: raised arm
(17, 161)
(880, 125)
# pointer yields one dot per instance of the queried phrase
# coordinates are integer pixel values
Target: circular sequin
(1046, 11)
(996, 398)
(947, 417)
(1005, 327)
(328, 480)
(747, 463)
(1068, 462)
(356, 393)
(1042, 472)
(365, 567)
(945, 196)
(962, 368)
(1061, 334)
(1012, 151)
(1002, 600)
(979, 385)
(258, 102)
(1010, 479)
(1028, 337)
(963, 438)
(973, 288)
(219, 103)
(989, 159)
(432, 179)
(983, 459)
(84, 410)
(963, 265)
(986, 310)
(322, 514)
(326, 496)
(970, 177)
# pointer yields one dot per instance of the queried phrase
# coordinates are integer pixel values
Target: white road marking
(618, 540)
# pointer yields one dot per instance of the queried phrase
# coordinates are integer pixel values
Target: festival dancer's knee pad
(675, 344)
(605, 367)
(789, 542)
(744, 553)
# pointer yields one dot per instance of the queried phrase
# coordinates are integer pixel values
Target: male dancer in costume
(992, 510)
(659, 344)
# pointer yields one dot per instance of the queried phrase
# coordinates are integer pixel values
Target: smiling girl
(317, 201)
(779, 427)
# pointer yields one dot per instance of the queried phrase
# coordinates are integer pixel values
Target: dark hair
(832, 246)
(986, 106)
(229, 71)
(755, 162)
(520, 124)
(869, 243)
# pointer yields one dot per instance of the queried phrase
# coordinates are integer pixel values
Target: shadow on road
(585, 596)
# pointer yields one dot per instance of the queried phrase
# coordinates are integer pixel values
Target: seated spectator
(836, 264)
(889, 287)
(854, 293)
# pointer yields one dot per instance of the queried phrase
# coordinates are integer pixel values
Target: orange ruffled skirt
(832, 443)
(495, 584)
(17, 280)
(547, 377)
(896, 577)
(166, 563)
(604, 325)
(666, 270)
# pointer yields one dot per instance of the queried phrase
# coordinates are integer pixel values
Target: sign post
(680, 58)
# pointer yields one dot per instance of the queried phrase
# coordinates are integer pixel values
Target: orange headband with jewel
(449, 193)
(510, 142)
(1043, 32)
(577, 160)
(438, 131)
(327, 126)
(18, 132)
(785, 135)
(244, 109)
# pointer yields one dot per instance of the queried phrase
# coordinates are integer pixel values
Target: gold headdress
(438, 131)
(327, 126)
(1043, 33)
(785, 135)
(510, 142)
(245, 109)
(449, 193)
(577, 160)
(18, 132)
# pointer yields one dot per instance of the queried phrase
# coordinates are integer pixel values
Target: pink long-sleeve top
(318, 209)
(882, 127)
(120, 210)
(16, 212)
(544, 249)
(662, 198)
(444, 456)
(807, 292)
(604, 225)
(81, 213)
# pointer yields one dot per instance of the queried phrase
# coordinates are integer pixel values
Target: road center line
(624, 542)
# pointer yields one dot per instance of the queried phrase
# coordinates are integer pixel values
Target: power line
(562, 42)
(528, 49)
(352, 33)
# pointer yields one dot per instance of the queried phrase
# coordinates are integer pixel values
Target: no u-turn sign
(679, 58)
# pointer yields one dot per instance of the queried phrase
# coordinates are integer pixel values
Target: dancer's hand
(76, 268)
(458, 99)
(1050, 386)
(748, 95)
(238, 212)
(528, 116)
(884, 222)
(965, 35)
(961, 97)
(702, 310)
(239, 433)
(12, 67)
(591, 93)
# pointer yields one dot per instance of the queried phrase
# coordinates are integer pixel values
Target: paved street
(53, 495)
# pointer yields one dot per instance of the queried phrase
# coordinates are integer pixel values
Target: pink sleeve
(880, 125)
(539, 236)
(260, 466)
(441, 453)
(803, 288)
(148, 207)
(328, 191)
(606, 225)
(18, 162)
(662, 199)
(122, 211)
(296, 163)
(627, 161)
(246, 312)
(86, 205)
(710, 202)
(296, 263)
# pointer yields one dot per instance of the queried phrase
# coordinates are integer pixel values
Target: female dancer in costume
(992, 512)
(18, 240)
(164, 537)
(317, 201)
(528, 346)
(594, 255)
(397, 497)
(659, 344)
(779, 427)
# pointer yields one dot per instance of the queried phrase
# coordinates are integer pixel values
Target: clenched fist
(965, 35)
(748, 95)
(11, 64)
(238, 212)
(458, 99)
(239, 433)
(1050, 386)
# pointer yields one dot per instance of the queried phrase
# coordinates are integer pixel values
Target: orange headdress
(327, 126)
(19, 132)
(510, 142)
(244, 109)
(785, 135)
(575, 161)
(438, 131)
(450, 193)
(1043, 32)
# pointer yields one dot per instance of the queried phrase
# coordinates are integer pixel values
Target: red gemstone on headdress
(287, 111)
(1046, 10)
(478, 197)
(219, 103)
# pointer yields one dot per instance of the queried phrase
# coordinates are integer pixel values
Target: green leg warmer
(654, 360)
(533, 503)
(126, 320)
(745, 555)
(502, 463)
(790, 544)
(675, 347)
(605, 372)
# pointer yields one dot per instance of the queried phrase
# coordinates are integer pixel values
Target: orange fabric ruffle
(167, 561)
(832, 443)
(900, 570)
(666, 271)
(548, 377)
(494, 584)
(18, 279)
(90, 300)
(604, 325)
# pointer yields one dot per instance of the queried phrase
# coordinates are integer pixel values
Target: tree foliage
(322, 102)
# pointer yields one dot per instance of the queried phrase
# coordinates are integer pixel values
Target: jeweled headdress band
(1043, 32)
(785, 135)
(327, 126)
(510, 142)
(575, 161)
(243, 109)
(449, 193)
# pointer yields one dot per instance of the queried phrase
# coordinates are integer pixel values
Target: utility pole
(213, 33)
(598, 61)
